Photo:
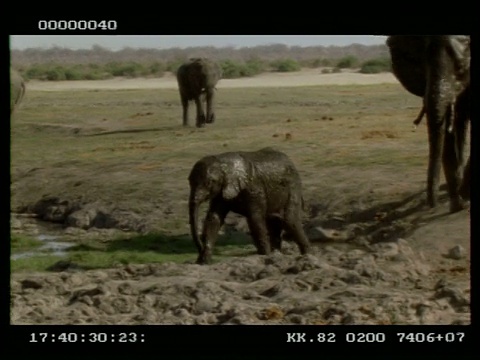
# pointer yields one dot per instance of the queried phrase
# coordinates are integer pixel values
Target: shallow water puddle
(51, 247)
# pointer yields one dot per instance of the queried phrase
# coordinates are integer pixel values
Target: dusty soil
(393, 263)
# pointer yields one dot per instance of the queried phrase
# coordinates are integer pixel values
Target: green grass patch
(35, 263)
(143, 249)
(20, 243)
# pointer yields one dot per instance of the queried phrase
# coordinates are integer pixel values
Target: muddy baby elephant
(264, 186)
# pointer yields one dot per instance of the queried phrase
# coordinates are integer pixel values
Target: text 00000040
(77, 25)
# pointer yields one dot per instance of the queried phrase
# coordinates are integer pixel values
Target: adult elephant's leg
(213, 222)
(436, 136)
(200, 111)
(462, 115)
(453, 157)
(452, 171)
(465, 187)
(440, 95)
(185, 110)
(210, 97)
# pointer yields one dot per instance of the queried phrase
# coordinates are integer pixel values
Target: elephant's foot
(432, 201)
(457, 204)
(201, 121)
(203, 259)
(464, 192)
(264, 249)
(211, 119)
(305, 249)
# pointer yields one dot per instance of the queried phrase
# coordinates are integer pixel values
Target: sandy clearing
(308, 77)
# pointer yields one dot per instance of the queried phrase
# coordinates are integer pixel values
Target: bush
(347, 62)
(375, 66)
(36, 72)
(231, 70)
(97, 75)
(255, 67)
(128, 69)
(285, 65)
(156, 69)
(74, 73)
(316, 63)
(56, 74)
(173, 65)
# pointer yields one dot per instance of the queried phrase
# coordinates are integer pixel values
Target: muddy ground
(422, 278)
(384, 261)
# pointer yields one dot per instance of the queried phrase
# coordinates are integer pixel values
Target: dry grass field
(127, 145)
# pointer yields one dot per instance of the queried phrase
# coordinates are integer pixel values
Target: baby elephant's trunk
(193, 211)
(193, 205)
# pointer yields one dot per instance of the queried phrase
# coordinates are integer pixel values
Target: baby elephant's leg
(275, 226)
(294, 227)
(212, 224)
(258, 229)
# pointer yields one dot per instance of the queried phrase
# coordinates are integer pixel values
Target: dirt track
(302, 78)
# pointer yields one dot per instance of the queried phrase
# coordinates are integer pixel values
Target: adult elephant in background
(264, 186)
(197, 79)
(17, 89)
(437, 68)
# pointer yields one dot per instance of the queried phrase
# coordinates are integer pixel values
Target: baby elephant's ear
(235, 178)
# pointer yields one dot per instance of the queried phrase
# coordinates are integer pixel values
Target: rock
(31, 284)
(296, 319)
(51, 208)
(204, 305)
(348, 319)
(127, 289)
(342, 294)
(64, 265)
(457, 252)
(333, 310)
(388, 250)
(73, 280)
(268, 271)
(122, 305)
(75, 231)
(303, 308)
(271, 292)
(319, 234)
(456, 298)
(82, 218)
(86, 293)
(271, 313)
(352, 277)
